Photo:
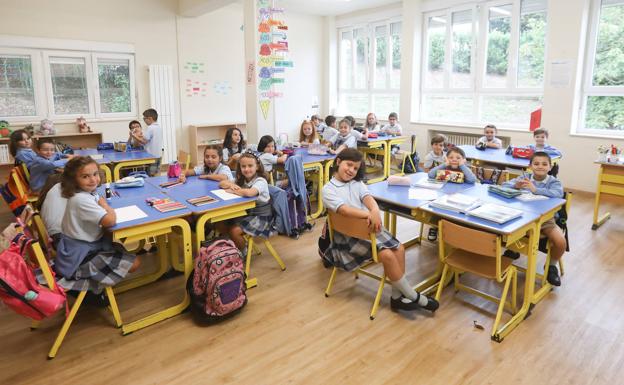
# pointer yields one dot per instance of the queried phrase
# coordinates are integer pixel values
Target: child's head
(392, 118)
(134, 125)
(437, 143)
(150, 116)
(455, 157)
(307, 133)
(540, 135)
(490, 131)
(266, 144)
(233, 137)
(371, 119)
(248, 167)
(351, 120)
(213, 153)
(540, 164)
(80, 174)
(348, 165)
(46, 147)
(19, 139)
(315, 120)
(330, 121)
(344, 127)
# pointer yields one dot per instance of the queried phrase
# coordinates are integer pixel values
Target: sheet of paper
(422, 194)
(560, 73)
(97, 156)
(426, 183)
(129, 213)
(224, 195)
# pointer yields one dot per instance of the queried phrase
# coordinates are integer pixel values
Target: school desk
(322, 165)
(382, 145)
(496, 156)
(119, 159)
(158, 225)
(610, 181)
(103, 163)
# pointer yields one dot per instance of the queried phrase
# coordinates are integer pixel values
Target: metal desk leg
(598, 221)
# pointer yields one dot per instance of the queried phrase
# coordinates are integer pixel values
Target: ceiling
(330, 7)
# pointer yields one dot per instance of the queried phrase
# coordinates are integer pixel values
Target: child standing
(46, 162)
(436, 156)
(347, 195)
(20, 147)
(307, 134)
(455, 161)
(136, 130)
(86, 258)
(212, 168)
(233, 145)
(540, 136)
(540, 183)
(343, 138)
(268, 155)
(152, 138)
(490, 140)
(250, 182)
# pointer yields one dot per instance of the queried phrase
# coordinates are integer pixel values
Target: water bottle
(30, 295)
(108, 192)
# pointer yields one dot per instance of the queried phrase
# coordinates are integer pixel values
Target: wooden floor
(291, 333)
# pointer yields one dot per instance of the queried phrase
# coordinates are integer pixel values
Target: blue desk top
(307, 158)
(398, 195)
(193, 188)
(495, 156)
(381, 138)
(539, 207)
(112, 156)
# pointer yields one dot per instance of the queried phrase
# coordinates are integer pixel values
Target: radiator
(462, 138)
(161, 99)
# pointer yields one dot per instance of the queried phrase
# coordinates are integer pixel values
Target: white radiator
(161, 99)
(461, 138)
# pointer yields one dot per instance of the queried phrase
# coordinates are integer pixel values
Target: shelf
(59, 135)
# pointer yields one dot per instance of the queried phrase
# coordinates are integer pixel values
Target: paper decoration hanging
(264, 106)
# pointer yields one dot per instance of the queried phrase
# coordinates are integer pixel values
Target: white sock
(408, 291)
(553, 262)
(396, 293)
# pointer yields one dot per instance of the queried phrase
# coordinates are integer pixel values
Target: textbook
(429, 183)
(456, 202)
(495, 213)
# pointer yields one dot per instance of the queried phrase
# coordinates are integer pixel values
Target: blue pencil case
(129, 181)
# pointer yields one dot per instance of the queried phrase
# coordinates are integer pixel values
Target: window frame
(38, 80)
(588, 88)
(97, 101)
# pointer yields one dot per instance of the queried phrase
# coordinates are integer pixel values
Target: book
(169, 206)
(456, 202)
(429, 183)
(495, 213)
(200, 201)
(507, 192)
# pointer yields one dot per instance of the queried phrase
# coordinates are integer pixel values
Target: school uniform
(86, 258)
(315, 141)
(153, 135)
(259, 222)
(41, 168)
(52, 212)
(484, 140)
(550, 150)
(374, 128)
(268, 160)
(346, 252)
(221, 169)
(228, 152)
(392, 130)
(433, 160)
(338, 140)
(549, 186)
(25, 155)
(328, 133)
(469, 177)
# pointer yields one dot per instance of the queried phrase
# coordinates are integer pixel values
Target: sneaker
(553, 276)
(433, 234)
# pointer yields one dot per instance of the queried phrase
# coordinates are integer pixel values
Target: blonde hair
(302, 136)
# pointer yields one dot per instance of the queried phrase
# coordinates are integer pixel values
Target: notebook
(456, 202)
(495, 213)
(429, 183)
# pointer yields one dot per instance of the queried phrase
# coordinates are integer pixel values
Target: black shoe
(433, 234)
(553, 276)
(97, 300)
(511, 254)
(399, 304)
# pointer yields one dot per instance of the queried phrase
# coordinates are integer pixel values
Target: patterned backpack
(217, 286)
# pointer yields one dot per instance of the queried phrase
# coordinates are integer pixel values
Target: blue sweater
(550, 186)
(41, 168)
(550, 150)
(25, 155)
(469, 177)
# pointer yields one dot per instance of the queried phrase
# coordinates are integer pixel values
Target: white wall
(148, 25)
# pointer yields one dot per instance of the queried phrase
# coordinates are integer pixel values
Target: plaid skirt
(258, 225)
(348, 253)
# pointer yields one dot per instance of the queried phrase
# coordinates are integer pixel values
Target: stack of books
(507, 192)
(4, 153)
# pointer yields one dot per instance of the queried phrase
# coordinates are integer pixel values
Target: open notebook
(495, 213)
(456, 202)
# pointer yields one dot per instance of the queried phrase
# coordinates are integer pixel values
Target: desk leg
(107, 172)
(188, 265)
(386, 164)
(118, 166)
(163, 266)
(598, 221)
(319, 194)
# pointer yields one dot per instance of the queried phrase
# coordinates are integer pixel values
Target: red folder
(536, 120)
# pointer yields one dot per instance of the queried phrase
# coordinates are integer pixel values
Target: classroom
(312, 191)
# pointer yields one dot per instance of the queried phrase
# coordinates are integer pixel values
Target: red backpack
(19, 288)
(217, 286)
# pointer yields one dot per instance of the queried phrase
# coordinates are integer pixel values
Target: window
(369, 69)
(502, 84)
(35, 84)
(602, 109)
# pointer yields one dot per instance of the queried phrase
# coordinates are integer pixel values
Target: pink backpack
(217, 286)
(174, 171)
(19, 289)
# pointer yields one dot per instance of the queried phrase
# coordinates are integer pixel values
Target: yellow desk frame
(129, 163)
(610, 181)
(384, 148)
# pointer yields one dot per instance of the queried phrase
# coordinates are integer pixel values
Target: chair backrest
(465, 238)
(487, 174)
(352, 227)
(184, 158)
(18, 182)
(23, 170)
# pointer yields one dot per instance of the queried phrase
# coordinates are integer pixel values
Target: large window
(35, 84)
(369, 75)
(603, 98)
(500, 83)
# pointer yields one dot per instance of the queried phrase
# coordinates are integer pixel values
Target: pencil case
(129, 181)
(105, 146)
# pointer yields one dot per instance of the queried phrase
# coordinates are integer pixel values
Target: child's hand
(69, 156)
(462, 161)
(234, 187)
(235, 191)
(447, 162)
(375, 222)
(102, 202)
(182, 178)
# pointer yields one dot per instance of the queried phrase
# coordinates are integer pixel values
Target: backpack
(407, 166)
(217, 286)
(19, 289)
(297, 213)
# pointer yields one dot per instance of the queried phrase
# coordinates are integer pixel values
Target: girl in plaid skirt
(347, 195)
(250, 182)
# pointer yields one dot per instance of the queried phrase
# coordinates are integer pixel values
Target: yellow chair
(184, 158)
(356, 228)
(25, 173)
(251, 246)
(487, 174)
(22, 187)
(462, 249)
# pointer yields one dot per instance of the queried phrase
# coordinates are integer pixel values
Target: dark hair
(240, 178)
(329, 120)
(540, 131)
(264, 141)
(150, 113)
(15, 137)
(393, 115)
(351, 120)
(69, 187)
(351, 154)
(540, 154)
(219, 151)
(227, 141)
(491, 126)
(50, 182)
(42, 141)
(438, 138)
(315, 117)
(457, 150)
(133, 122)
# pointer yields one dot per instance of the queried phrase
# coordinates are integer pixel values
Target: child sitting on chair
(540, 183)
(212, 168)
(347, 195)
(540, 136)
(436, 156)
(489, 140)
(343, 138)
(307, 134)
(456, 162)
